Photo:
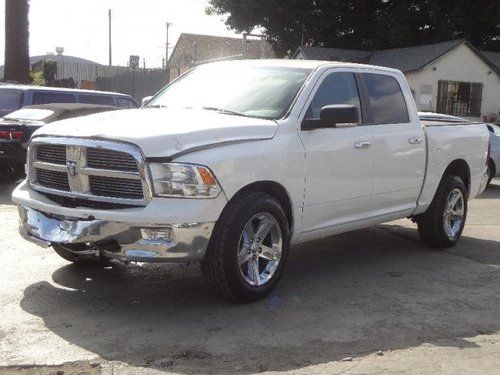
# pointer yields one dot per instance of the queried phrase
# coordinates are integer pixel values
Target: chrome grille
(55, 154)
(109, 159)
(116, 187)
(53, 179)
(95, 171)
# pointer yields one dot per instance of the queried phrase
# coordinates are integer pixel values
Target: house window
(460, 98)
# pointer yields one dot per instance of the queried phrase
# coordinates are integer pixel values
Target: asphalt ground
(371, 301)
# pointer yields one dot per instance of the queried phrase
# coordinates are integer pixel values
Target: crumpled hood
(161, 132)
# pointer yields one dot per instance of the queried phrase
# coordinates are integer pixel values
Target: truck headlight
(184, 181)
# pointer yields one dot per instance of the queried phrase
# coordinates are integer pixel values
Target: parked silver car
(494, 163)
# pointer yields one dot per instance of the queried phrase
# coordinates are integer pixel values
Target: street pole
(110, 45)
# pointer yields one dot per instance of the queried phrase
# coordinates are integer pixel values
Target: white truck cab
(234, 162)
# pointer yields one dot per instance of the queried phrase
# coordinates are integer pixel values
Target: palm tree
(17, 65)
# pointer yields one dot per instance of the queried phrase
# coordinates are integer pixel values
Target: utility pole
(167, 46)
(110, 45)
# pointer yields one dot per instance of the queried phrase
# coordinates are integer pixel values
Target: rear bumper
(176, 243)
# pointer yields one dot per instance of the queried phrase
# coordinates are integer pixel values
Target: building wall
(462, 65)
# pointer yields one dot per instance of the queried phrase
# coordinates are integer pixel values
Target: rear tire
(442, 224)
(11, 173)
(248, 249)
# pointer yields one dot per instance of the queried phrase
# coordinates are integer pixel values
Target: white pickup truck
(234, 162)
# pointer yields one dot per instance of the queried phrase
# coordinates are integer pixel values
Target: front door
(339, 161)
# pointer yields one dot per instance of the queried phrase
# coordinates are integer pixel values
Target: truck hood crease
(161, 132)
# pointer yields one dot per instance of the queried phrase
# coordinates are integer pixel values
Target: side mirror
(339, 116)
(146, 100)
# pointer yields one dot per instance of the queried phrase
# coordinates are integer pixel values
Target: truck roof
(305, 64)
(58, 89)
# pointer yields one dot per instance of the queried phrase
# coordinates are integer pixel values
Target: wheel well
(461, 169)
(275, 190)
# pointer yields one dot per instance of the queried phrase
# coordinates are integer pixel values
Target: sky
(81, 27)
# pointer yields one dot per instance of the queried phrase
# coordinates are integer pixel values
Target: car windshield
(10, 101)
(263, 91)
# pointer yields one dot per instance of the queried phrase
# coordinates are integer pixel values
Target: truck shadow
(347, 296)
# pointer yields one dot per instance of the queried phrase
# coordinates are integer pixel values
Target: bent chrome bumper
(174, 243)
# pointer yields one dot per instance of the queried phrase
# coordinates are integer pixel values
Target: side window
(96, 99)
(52, 97)
(386, 99)
(336, 88)
(126, 103)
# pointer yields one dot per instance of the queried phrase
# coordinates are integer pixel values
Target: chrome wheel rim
(260, 249)
(454, 213)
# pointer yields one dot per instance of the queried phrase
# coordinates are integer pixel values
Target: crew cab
(234, 162)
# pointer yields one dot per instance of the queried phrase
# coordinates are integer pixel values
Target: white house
(450, 77)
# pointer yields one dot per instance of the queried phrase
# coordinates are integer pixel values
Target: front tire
(441, 226)
(70, 253)
(249, 248)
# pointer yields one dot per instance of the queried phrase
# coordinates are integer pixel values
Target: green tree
(364, 24)
(17, 66)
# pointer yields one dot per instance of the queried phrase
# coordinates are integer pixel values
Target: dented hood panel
(161, 132)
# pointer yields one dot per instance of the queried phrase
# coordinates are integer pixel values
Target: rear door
(339, 161)
(399, 147)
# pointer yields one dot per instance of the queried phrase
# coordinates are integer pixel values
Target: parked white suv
(235, 161)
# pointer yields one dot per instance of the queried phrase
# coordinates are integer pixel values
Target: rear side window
(126, 103)
(387, 102)
(10, 101)
(52, 97)
(96, 99)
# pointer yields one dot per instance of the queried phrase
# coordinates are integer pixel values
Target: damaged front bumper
(176, 243)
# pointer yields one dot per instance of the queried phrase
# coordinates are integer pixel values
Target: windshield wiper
(156, 106)
(224, 111)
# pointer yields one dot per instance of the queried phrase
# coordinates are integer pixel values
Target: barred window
(460, 98)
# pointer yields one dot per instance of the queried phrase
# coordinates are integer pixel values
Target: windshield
(264, 92)
(10, 101)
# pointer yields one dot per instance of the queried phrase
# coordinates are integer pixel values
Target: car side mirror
(339, 116)
(146, 100)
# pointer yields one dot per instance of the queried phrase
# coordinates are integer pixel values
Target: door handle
(415, 140)
(362, 145)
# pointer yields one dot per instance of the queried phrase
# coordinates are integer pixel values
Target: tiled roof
(493, 57)
(405, 59)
